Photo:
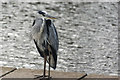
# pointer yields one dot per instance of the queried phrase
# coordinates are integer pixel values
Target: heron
(45, 37)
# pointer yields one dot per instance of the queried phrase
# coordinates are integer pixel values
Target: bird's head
(44, 14)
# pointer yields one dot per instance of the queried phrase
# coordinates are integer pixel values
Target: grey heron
(45, 37)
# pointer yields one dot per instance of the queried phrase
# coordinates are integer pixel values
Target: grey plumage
(45, 38)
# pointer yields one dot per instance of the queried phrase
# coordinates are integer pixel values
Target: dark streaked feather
(54, 54)
(33, 23)
(52, 41)
(40, 52)
(53, 36)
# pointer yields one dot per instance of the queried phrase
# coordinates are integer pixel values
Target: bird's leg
(49, 66)
(44, 75)
(49, 62)
(45, 58)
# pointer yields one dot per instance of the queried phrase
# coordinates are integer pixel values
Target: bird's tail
(53, 60)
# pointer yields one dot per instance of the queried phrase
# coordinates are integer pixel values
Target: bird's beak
(50, 17)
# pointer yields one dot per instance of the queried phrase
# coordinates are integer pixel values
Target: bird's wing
(53, 42)
(53, 37)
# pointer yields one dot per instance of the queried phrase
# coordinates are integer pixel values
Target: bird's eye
(40, 12)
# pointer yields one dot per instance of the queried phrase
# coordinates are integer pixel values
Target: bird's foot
(42, 77)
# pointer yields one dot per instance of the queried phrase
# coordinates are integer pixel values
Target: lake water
(88, 35)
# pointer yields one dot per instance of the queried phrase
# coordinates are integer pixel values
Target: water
(87, 32)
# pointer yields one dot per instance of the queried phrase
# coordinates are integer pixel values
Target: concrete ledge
(29, 73)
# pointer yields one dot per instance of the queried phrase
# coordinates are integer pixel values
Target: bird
(45, 37)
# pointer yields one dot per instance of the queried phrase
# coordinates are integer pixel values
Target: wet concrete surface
(88, 36)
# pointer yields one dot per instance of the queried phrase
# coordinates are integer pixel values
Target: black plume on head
(41, 12)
